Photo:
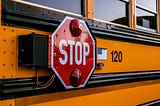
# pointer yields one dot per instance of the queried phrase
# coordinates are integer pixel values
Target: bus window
(73, 6)
(146, 14)
(150, 4)
(112, 10)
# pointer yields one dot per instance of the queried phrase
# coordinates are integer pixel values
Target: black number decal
(116, 56)
(120, 56)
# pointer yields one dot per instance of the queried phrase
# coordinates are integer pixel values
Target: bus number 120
(116, 56)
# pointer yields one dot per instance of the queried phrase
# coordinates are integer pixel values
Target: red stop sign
(72, 53)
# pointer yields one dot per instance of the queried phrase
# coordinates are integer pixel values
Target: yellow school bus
(126, 71)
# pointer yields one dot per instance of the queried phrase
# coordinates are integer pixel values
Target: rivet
(12, 41)
(4, 52)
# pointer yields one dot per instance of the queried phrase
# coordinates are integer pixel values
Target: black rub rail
(151, 103)
(10, 88)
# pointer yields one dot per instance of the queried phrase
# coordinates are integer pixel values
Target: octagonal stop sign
(72, 53)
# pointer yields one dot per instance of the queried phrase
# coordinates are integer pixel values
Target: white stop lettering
(81, 52)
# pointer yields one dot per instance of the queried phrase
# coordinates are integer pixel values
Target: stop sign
(72, 53)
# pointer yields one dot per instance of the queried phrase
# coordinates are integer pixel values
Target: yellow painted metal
(10, 102)
(9, 53)
(132, 14)
(117, 95)
(90, 9)
(135, 57)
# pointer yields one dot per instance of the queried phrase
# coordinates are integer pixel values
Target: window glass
(146, 19)
(111, 10)
(146, 11)
(73, 6)
(150, 4)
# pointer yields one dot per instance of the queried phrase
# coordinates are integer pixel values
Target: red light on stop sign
(75, 27)
(76, 77)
